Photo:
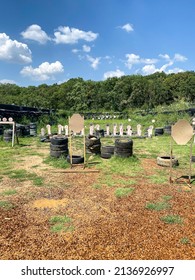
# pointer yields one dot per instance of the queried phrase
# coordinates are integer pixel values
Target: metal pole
(190, 161)
(171, 155)
(70, 141)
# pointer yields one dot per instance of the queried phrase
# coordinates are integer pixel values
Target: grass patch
(172, 219)
(57, 162)
(6, 205)
(123, 192)
(8, 192)
(96, 186)
(61, 224)
(184, 240)
(159, 205)
(22, 175)
(158, 179)
(38, 181)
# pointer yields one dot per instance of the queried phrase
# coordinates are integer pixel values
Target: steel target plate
(76, 123)
(182, 132)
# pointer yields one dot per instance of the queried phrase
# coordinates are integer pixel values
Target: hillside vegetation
(114, 94)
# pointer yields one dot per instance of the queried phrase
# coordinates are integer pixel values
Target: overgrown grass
(57, 162)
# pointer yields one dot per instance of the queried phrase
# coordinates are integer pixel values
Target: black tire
(159, 131)
(123, 143)
(7, 135)
(95, 149)
(166, 161)
(75, 159)
(167, 129)
(107, 149)
(33, 129)
(106, 155)
(99, 133)
(92, 140)
(58, 147)
(58, 154)
(193, 159)
(59, 141)
(123, 154)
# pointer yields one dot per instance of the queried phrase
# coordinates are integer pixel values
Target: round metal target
(182, 132)
(76, 123)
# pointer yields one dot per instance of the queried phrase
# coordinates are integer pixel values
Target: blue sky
(51, 41)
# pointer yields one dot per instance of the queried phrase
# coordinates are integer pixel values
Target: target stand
(76, 125)
(181, 133)
(10, 121)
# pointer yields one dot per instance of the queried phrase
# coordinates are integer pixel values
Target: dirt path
(102, 226)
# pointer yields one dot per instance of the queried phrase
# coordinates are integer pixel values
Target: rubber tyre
(58, 154)
(92, 140)
(108, 149)
(159, 131)
(58, 147)
(75, 159)
(193, 159)
(123, 143)
(166, 160)
(106, 155)
(167, 129)
(59, 141)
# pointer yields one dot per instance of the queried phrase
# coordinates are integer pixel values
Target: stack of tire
(123, 148)
(159, 131)
(167, 129)
(99, 133)
(59, 147)
(33, 129)
(1, 130)
(93, 144)
(107, 152)
(7, 135)
(26, 130)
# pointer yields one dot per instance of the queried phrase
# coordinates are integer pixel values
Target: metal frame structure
(11, 122)
(76, 127)
(182, 133)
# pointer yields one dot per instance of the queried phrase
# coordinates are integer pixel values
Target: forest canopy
(114, 94)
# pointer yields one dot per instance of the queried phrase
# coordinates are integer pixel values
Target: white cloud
(132, 59)
(67, 35)
(13, 51)
(86, 48)
(179, 57)
(175, 70)
(110, 74)
(75, 50)
(35, 33)
(94, 61)
(136, 59)
(128, 27)
(165, 56)
(6, 81)
(149, 69)
(44, 72)
(150, 63)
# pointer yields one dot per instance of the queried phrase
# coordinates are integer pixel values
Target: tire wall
(59, 147)
(123, 148)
